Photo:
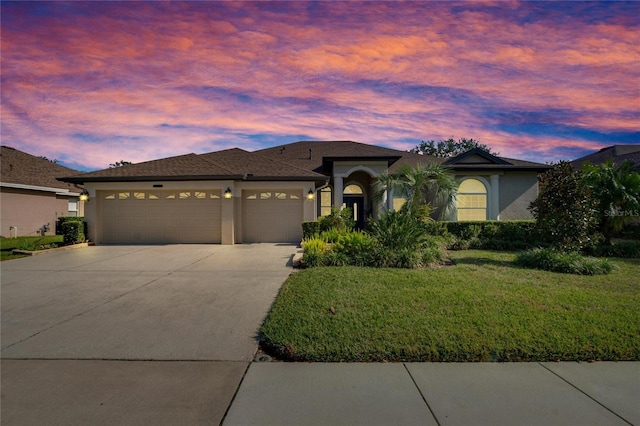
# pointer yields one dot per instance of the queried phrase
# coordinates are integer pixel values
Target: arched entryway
(353, 198)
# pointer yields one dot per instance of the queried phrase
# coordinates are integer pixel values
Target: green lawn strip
(25, 243)
(481, 309)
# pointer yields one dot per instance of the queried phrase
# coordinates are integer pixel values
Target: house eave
(57, 191)
(473, 167)
(79, 179)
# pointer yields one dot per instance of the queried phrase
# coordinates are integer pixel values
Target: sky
(92, 83)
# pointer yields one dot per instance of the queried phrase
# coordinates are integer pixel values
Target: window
(139, 195)
(472, 200)
(280, 195)
(73, 208)
(200, 195)
(123, 195)
(324, 202)
(398, 202)
(353, 190)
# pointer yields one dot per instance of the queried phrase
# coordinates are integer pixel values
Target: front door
(356, 204)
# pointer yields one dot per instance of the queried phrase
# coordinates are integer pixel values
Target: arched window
(472, 200)
(353, 190)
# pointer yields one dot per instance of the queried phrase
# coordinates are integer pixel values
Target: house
(618, 153)
(31, 198)
(235, 196)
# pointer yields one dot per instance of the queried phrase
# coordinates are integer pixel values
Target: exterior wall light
(228, 194)
(310, 195)
(84, 196)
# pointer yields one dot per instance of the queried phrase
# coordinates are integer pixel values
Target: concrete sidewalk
(567, 393)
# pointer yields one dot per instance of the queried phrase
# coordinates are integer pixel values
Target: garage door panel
(272, 216)
(160, 217)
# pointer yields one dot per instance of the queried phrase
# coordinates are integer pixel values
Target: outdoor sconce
(227, 194)
(84, 196)
(310, 195)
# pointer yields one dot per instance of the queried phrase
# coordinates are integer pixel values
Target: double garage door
(160, 217)
(194, 216)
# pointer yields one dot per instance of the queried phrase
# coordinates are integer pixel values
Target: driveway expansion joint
(585, 394)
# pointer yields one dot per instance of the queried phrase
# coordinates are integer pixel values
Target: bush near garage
(72, 232)
(64, 219)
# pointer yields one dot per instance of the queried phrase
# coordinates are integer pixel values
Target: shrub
(309, 229)
(565, 210)
(626, 249)
(64, 219)
(330, 235)
(396, 230)
(549, 259)
(360, 249)
(493, 235)
(404, 242)
(341, 219)
(72, 232)
(315, 251)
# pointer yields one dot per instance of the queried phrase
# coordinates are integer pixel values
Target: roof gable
(477, 156)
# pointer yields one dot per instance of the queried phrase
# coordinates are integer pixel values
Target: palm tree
(617, 189)
(418, 185)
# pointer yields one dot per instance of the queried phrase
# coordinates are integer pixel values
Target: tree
(565, 211)
(120, 164)
(616, 190)
(54, 161)
(450, 147)
(419, 184)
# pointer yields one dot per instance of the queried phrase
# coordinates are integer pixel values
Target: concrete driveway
(68, 316)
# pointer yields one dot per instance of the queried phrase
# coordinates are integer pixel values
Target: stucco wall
(29, 210)
(517, 191)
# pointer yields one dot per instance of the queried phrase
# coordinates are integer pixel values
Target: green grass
(483, 308)
(25, 243)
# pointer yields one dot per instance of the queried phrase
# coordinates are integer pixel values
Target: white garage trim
(160, 217)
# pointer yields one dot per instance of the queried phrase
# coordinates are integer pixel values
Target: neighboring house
(235, 196)
(618, 153)
(30, 195)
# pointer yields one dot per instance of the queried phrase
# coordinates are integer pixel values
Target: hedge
(67, 219)
(72, 232)
(309, 229)
(491, 234)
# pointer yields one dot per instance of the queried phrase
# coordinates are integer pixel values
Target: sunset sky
(91, 83)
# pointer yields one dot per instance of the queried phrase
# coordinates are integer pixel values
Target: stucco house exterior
(235, 196)
(31, 196)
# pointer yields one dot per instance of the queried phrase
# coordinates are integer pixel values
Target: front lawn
(483, 308)
(26, 243)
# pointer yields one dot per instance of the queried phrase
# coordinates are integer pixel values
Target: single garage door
(160, 217)
(272, 216)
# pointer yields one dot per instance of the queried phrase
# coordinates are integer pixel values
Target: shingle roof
(182, 167)
(618, 153)
(254, 166)
(305, 160)
(232, 164)
(309, 154)
(20, 168)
